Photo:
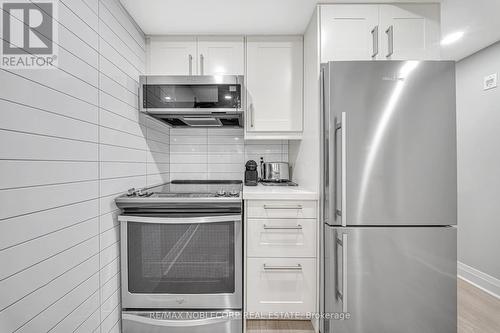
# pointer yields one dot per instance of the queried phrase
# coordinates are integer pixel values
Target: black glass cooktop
(197, 189)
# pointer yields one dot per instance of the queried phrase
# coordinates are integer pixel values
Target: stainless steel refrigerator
(389, 196)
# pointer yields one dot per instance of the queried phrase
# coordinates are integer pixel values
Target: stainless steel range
(181, 257)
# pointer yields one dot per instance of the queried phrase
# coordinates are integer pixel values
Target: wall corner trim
(483, 281)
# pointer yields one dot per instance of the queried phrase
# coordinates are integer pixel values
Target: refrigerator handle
(342, 295)
(343, 169)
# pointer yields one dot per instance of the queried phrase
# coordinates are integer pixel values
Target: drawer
(281, 237)
(281, 209)
(281, 285)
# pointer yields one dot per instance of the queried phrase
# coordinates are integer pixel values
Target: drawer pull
(283, 207)
(297, 227)
(297, 267)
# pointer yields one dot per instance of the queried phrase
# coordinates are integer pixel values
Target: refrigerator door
(393, 160)
(391, 279)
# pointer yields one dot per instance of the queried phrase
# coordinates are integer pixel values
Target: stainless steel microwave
(193, 101)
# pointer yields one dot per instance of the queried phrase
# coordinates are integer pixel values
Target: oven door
(181, 262)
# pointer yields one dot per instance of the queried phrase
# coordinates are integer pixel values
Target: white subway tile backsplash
(174, 132)
(200, 168)
(189, 176)
(225, 140)
(223, 168)
(214, 158)
(187, 149)
(187, 140)
(181, 158)
(218, 153)
(226, 149)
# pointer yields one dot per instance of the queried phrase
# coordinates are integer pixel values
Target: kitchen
(129, 164)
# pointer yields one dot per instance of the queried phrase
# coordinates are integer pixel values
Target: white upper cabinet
(380, 32)
(221, 55)
(410, 31)
(172, 55)
(191, 55)
(274, 79)
(349, 32)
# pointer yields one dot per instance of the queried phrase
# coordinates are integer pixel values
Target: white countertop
(262, 192)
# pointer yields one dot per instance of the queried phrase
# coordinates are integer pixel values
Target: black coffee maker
(251, 175)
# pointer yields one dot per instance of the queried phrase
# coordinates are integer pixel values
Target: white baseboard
(483, 281)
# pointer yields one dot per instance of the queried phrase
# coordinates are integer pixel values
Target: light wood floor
(478, 312)
(279, 326)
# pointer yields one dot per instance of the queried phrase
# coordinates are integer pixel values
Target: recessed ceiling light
(452, 38)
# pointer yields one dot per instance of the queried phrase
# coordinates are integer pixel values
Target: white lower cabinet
(281, 238)
(281, 267)
(279, 285)
(281, 209)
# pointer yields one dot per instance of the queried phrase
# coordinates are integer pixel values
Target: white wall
(71, 140)
(478, 131)
(200, 153)
(305, 154)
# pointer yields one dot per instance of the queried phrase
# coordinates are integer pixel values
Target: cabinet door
(221, 55)
(281, 237)
(349, 32)
(172, 55)
(274, 84)
(410, 31)
(279, 285)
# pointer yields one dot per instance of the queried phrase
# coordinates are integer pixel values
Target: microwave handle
(190, 59)
(180, 220)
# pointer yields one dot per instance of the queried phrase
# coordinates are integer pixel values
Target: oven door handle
(180, 220)
(171, 323)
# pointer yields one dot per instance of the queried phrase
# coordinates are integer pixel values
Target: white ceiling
(479, 19)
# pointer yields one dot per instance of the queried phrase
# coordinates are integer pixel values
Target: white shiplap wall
(218, 153)
(71, 140)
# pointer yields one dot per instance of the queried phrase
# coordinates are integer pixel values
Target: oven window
(191, 96)
(181, 258)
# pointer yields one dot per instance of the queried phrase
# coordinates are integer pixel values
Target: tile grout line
(99, 156)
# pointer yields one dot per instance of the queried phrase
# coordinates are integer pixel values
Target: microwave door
(169, 95)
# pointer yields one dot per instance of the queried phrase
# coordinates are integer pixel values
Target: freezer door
(395, 142)
(391, 280)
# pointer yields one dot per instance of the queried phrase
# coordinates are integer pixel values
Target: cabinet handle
(297, 267)
(190, 58)
(251, 116)
(375, 41)
(283, 207)
(202, 64)
(390, 40)
(298, 227)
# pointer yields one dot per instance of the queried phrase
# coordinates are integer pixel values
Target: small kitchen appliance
(274, 171)
(193, 100)
(251, 174)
